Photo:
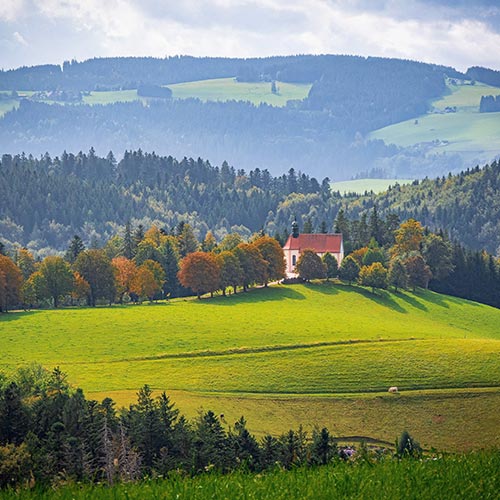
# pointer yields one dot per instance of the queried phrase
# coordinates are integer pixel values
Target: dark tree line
(489, 104)
(128, 72)
(50, 200)
(50, 432)
(485, 75)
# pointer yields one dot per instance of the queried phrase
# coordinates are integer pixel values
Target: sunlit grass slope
(466, 131)
(301, 348)
(225, 89)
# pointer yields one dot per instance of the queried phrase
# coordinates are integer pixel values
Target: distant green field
(110, 97)
(7, 105)
(226, 89)
(359, 186)
(301, 354)
(466, 131)
(220, 89)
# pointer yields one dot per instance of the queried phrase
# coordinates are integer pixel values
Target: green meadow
(470, 476)
(226, 89)
(219, 89)
(299, 354)
(110, 97)
(465, 131)
(360, 186)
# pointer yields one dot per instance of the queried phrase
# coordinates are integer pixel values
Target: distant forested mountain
(112, 73)
(325, 133)
(264, 136)
(45, 201)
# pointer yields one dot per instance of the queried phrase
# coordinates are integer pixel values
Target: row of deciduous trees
(140, 265)
(411, 262)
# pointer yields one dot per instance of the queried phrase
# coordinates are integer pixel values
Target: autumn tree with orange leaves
(11, 280)
(200, 271)
(125, 271)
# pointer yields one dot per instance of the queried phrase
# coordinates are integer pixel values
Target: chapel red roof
(320, 243)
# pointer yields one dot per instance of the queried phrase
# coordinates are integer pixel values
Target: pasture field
(466, 131)
(314, 354)
(469, 476)
(360, 186)
(110, 97)
(219, 89)
(226, 89)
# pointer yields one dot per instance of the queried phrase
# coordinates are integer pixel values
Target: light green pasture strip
(109, 97)
(362, 185)
(354, 368)
(465, 97)
(226, 89)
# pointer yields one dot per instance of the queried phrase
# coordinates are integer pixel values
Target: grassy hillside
(465, 131)
(226, 89)
(219, 89)
(467, 476)
(301, 354)
(360, 186)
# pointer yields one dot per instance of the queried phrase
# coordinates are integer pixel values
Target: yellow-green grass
(226, 89)
(110, 97)
(453, 420)
(360, 186)
(305, 353)
(466, 131)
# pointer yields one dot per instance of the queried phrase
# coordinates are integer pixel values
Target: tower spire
(295, 228)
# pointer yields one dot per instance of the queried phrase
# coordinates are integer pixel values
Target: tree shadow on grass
(380, 296)
(271, 294)
(411, 300)
(13, 316)
(325, 287)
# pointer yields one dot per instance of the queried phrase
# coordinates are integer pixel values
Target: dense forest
(485, 75)
(466, 206)
(45, 201)
(350, 96)
(114, 73)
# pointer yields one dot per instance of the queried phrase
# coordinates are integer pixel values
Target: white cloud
(89, 28)
(10, 9)
(19, 38)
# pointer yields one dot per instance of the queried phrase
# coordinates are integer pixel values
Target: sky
(458, 33)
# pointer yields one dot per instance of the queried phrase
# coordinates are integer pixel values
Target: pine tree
(76, 246)
(129, 246)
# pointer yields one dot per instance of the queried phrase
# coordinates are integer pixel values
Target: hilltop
(319, 353)
(279, 112)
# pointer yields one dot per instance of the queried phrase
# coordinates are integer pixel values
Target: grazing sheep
(393, 390)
